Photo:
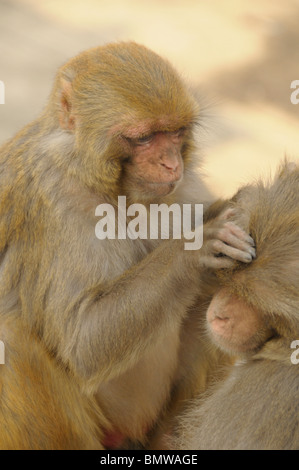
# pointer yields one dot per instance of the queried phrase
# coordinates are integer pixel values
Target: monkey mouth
(167, 186)
(162, 189)
(162, 185)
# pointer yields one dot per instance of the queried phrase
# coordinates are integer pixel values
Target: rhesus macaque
(96, 332)
(255, 316)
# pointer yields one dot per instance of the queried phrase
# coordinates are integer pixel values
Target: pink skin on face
(156, 161)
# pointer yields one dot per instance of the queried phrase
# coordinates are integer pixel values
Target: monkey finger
(235, 242)
(216, 262)
(220, 247)
(239, 233)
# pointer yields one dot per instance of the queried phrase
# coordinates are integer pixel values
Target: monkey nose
(169, 166)
(170, 163)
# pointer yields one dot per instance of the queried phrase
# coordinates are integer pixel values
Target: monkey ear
(66, 115)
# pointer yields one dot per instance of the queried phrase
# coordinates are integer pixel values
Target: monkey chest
(133, 401)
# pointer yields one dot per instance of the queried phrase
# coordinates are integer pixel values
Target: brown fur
(42, 407)
(98, 323)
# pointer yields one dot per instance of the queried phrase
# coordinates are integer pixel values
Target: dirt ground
(241, 54)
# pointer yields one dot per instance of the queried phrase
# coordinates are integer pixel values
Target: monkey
(253, 315)
(96, 331)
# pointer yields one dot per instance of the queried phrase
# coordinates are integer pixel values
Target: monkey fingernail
(252, 252)
(250, 240)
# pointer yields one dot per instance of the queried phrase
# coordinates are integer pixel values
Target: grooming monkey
(97, 332)
(254, 315)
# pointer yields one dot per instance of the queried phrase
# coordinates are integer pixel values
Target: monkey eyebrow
(147, 138)
(181, 131)
(142, 140)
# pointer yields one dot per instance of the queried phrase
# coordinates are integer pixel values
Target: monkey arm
(118, 322)
(108, 326)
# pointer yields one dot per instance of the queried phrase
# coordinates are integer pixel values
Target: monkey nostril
(170, 167)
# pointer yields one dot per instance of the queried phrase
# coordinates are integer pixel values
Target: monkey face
(235, 325)
(131, 116)
(155, 166)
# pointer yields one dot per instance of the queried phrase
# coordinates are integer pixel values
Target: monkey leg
(42, 407)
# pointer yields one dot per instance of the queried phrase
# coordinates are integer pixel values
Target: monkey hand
(224, 242)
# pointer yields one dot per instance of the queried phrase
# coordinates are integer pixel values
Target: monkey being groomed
(255, 316)
(99, 334)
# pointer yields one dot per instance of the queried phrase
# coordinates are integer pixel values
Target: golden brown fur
(42, 407)
(100, 323)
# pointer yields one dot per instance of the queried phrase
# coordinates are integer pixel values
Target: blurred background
(242, 55)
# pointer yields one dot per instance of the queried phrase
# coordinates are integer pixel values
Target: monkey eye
(144, 140)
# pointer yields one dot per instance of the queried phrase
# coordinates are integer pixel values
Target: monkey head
(131, 118)
(257, 305)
